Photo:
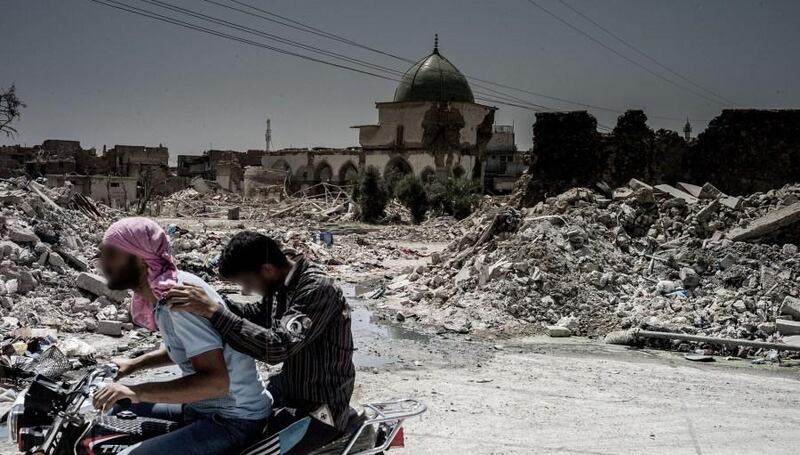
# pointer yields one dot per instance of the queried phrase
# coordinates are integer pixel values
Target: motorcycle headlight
(13, 417)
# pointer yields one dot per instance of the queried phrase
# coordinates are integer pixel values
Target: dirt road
(536, 396)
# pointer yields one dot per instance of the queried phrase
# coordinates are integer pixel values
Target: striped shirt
(317, 354)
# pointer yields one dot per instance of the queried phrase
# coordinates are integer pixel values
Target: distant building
(433, 127)
(57, 156)
(225, 167)
(114, 191)
(13, 159)
(503, 164)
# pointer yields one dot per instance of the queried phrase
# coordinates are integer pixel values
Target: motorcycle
(56, 418)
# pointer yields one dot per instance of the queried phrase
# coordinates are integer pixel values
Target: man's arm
(210, 380)
(152, 359)
(195, 299)
(319, 302)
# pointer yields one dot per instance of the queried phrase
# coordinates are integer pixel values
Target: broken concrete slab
(22, 235)
(692, 189)
(637, 184)
(732, 202)
(26, 282)
(621, 193)
(791, 306)
(74, 261)
(56, 260)
(793, 340)
(110, 328)
(97, 285)
(558, 331)
(708, 211)
(787, 327)
(768, 224)
(709, 191)
(674, 192)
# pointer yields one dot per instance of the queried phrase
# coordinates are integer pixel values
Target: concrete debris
(650, 257)
(674, 192)
(110, 328)
(791, 306)
(787, 327)
(96, 284)
(556, 331)
(769, 224)
(45, 242)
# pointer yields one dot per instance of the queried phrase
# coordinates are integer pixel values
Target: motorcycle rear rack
(392, 413)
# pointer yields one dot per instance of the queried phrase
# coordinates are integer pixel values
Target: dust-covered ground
(579, 396)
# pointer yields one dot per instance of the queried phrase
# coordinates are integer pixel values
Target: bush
(371, 195)
(411, 193)
(449, 196)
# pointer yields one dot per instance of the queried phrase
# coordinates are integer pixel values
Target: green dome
(434, 79)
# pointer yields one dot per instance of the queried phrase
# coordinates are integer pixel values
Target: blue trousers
(200, 434)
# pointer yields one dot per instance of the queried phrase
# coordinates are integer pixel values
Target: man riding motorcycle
(303, 322)
(219, 400)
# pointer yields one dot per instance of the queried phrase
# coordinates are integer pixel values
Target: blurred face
(122, 270)
(260, 282)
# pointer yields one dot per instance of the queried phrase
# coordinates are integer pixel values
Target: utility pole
(268, 134)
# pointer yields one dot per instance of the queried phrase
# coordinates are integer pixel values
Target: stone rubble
(586, 263)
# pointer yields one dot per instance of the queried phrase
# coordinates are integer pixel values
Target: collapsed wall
(741, 152)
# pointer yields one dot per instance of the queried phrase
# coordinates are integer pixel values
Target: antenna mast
(268, 134)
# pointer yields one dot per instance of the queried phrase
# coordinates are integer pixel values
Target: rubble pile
(47, 242)
(320, 203)
(687, 259)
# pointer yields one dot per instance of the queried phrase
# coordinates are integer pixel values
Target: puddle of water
(368, 332)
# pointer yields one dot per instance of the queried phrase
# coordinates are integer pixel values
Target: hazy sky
(103, 76)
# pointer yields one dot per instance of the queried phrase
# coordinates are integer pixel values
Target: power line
(497, 96)
(305, 27)
(315, 49)
(618, 53)
(269, 36)
(141, 12)
(642, 53)
(152, 15)
(319, 32)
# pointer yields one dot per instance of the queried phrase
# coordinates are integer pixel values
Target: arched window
(324, 172)
(348, 173)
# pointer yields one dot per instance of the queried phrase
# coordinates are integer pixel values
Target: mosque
(433, 127)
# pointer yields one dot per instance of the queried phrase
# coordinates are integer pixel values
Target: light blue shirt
(186, 335)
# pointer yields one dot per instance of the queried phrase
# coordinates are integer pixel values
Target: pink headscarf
(144, 238)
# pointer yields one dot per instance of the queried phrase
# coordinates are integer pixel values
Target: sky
(102, 76)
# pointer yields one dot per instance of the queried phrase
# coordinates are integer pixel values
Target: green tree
(412, 194)
(451, 196)
(371, 195)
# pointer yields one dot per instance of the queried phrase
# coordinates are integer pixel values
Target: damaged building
(226, 168)
(433, 127)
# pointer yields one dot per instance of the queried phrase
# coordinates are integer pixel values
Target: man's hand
(105, 397)
(192, 299)
(124, 367)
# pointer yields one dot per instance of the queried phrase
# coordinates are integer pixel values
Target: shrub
(450, 196)
(411, 193)
(371, 195)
